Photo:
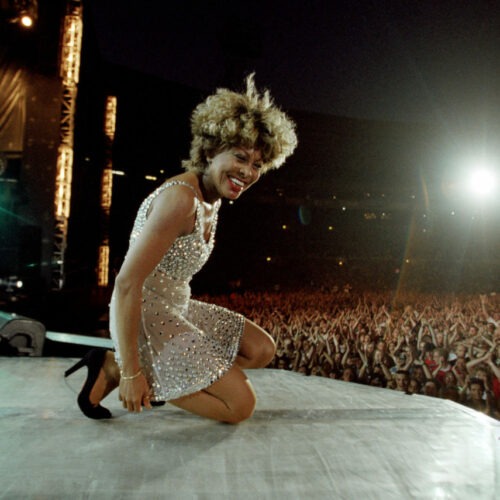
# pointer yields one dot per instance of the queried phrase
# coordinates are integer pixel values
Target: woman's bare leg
(257, 348)
(231, 399)
(107, 381)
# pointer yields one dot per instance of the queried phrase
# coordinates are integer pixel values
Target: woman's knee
(242, 409)
(267, 351)
(241, 400)
(257, 347)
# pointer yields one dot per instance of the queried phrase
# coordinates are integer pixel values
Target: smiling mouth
(237, 182)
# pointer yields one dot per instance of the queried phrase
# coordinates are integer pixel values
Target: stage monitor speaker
(20, 336)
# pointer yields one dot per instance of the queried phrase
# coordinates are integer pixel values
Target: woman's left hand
(134, 394)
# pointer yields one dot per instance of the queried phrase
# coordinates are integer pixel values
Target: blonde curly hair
(248, 119)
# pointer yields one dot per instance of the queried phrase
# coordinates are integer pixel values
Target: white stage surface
(310, 438)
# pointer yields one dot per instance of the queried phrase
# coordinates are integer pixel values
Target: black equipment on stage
(20, 336)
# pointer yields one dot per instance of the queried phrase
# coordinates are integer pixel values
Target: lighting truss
(106, 192)
(103, 266)
(71, 42)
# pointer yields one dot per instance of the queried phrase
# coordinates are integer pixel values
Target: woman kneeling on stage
(168, 346)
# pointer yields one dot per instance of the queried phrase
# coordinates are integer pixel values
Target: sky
(406, 60)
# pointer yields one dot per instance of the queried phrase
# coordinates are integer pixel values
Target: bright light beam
(482, 182)
(26, 21)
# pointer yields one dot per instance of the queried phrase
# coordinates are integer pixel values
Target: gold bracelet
(123, 377)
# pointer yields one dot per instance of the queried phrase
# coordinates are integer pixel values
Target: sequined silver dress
(184, 345)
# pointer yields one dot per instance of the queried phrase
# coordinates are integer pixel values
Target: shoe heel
(94, 361)
(75, 367)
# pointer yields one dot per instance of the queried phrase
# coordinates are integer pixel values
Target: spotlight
(23, 12)
(26, 21)
(482, 182)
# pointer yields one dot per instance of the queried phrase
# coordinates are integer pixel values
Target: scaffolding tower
(71, 42)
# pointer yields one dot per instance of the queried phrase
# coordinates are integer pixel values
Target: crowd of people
(445, 346)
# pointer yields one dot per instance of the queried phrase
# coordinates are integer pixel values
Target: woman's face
(401, 381)
(348, 375)
(476, 392)
(419, 374)
(430, 389)
(481, 374)
(231, 172)
(461, 365)
(413, 386)
(449, 379)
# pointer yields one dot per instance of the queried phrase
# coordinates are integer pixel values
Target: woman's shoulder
(185, 185)
(176, 197)
(184, 179)
(180, 195)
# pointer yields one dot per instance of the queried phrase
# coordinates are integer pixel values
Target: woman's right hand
(134, 394)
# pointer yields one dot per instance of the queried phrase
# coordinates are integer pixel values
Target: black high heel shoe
(93, 360)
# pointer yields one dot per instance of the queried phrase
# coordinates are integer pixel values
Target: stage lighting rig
(106, 192)
(69, 69)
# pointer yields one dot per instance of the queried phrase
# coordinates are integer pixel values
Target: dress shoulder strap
(176, 183)
(182, 183)
(145, 207)
(146, 204)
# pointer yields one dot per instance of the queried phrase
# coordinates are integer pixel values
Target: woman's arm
(476, 361)
(346, 355)
(460, 378)
(453, 329)
(172, 215)
(493, 366)
(427, 372)
(433, 335)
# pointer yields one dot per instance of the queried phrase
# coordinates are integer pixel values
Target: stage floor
(310, 438)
